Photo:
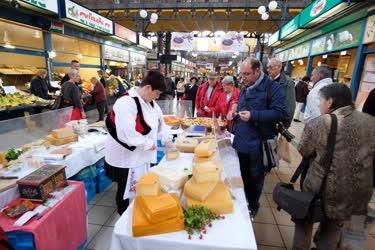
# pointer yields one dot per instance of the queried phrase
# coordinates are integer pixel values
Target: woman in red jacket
(207, 96)
(228, 101)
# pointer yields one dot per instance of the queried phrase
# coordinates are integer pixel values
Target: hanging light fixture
(261, 10)
(143, 13)
(264, 11)
(272, 5)
(265, 16)
(154, 16)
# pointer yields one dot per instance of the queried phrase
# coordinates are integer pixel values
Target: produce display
(15, 100)
(12, 154)
(87, 86)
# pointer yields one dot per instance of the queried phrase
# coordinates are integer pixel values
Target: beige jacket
(349, 183)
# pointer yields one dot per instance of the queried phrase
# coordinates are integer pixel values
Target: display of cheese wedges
(159, 208)
(207, 171)
(219, 200)
(149, 184)
(198, 191)
(143, 227)
(206, 148)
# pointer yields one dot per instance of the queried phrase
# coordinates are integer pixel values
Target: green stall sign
(316, 9)
(290, 27)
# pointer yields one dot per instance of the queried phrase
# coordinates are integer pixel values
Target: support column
(160, 46)
(168, 37)
(289, 68)
(309, 67)
(48, 48)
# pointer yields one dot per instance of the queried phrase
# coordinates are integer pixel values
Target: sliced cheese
(186, 145)
(62, 132)
(206, 148)
(170, 178)
(159, 208)
(219, 200)
(172, 155)
(198, 191)
(207, 172)
(142, 226)
(149, 184)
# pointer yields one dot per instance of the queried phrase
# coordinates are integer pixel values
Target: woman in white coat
(134, 125)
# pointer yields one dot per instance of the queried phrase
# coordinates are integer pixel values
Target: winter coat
(302, 90)
(349, 182)
(202, 99)
(290, 98)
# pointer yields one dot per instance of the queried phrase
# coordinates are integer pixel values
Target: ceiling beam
(203, 18)
(155, 4)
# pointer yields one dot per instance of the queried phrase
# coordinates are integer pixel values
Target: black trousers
(252, 171)
(101, 107)
(179, 95)
(119, 175)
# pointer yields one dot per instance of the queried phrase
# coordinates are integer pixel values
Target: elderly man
(207, 96)
(321, 76)
(275, 71)
(228, 101)
(254, 124)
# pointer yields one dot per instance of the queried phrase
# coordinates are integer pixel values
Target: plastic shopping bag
(283, 149)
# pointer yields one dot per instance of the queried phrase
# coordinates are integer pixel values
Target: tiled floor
(273, 229)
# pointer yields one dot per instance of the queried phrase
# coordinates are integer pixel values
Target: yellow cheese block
(214, 157)
(198, 191)
(142, 227)
(62, 132)
(159, 208)
(207, 171)
(206, 148)
(172, 155)
(61, 141)
(186, 145)
(219, 200)
(149, 184)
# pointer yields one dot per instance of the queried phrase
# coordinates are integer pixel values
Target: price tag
(10, 89)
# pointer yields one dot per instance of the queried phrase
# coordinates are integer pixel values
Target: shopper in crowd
(134, 125)
(228, 101)
(254, 123)
(72, 95)
(302, 90)
(99, 95)
(369, 105)
(207, 96)
(191, 93)
(276, 73)
(180, 88)
(138, 81)
(347, 80)
(103, 77)
(321, 77)
(348, 187)
(168, 95)
(74, 64)
(40, 86)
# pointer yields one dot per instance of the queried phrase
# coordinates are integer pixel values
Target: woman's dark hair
(155, 79)
(194, 77)
(182, 79)
(340, 94)
(306, 78)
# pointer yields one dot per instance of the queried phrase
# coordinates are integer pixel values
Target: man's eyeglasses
(247, 73)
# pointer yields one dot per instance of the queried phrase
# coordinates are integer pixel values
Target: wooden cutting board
(7, 184)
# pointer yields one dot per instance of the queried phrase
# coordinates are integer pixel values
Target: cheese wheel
(219, 200)
(149, 184)
(207, 172)
(186, 145)
(206, 148)
(159, 208)
(63, 132)
(170, 178)
(142, 227)
(198, 191)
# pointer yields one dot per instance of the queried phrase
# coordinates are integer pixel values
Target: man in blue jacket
(261, 105)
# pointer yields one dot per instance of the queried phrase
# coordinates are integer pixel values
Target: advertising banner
(182, 41)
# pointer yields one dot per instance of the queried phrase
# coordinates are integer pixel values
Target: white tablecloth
(234, 232)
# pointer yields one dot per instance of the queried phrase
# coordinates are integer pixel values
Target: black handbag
(306, 206)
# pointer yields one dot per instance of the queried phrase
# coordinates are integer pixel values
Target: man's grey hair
(276, 61)
(72, 72)
(324, 71)
(228, 80)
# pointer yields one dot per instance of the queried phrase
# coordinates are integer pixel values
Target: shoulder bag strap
(330, 149)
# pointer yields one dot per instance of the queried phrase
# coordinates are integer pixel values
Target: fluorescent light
(325, 56)
(52, 54)
(9, 46)
(343, 53)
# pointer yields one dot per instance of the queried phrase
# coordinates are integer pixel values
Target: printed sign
(57, 27)
(290, 27)
(273, 38)
(115, 54)
(318, 46)
(233, 42)
(316, 9)
(88, 18)
(50, 5)
(370, 30)
(182, 41)
(124, 33)
(143, 41)
(137, 59)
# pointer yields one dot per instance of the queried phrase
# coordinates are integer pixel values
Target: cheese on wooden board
(159, 208)
(170, 178)
(142, 227)
(186, 145)
(172, 155)
(207, 172)
(198, 191)
(62, 132)
(214, 157)
(149, 184)
(206, 148)
(219, 201)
